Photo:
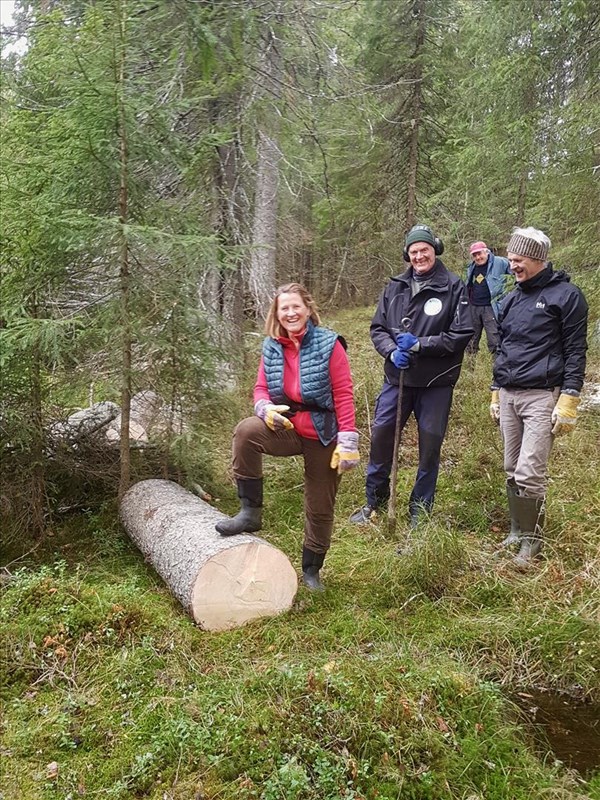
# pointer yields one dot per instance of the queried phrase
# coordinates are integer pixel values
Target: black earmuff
(438, 245)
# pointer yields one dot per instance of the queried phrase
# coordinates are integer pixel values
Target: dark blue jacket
(542, 328)
(439, 316)
(496, 277)
(315, 383)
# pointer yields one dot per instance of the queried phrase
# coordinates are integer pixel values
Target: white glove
(272, 415)
(346, 455)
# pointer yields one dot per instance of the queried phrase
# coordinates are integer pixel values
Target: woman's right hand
(272, 415)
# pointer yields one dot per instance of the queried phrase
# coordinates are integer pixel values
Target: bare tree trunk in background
(231, 226)
(124, 273)
(527, 148)
(227, 283)
(264, 230)
(416, 117)
(522, 196)
(38, 476)
(262, 277)
(307, 268)
(209, 283)
(221, 293)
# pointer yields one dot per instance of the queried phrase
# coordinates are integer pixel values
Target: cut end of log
(221, 581)
(242, 583)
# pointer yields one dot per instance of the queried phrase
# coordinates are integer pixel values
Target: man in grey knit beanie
(538, 375)
(531, 243)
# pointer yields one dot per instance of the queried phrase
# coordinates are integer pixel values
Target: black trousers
(483, 319)
(431, 407)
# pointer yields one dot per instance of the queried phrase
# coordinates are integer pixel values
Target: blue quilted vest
(315, 384)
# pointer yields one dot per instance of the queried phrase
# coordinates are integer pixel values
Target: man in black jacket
(538, 375)
(422, 325)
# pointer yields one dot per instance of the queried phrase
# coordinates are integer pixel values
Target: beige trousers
(526, 428)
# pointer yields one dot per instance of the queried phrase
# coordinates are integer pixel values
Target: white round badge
(433, 306)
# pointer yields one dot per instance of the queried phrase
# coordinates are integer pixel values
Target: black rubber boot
(418, 514)
(530, 516)
(249, 518)
(311, 566)
(514, 537)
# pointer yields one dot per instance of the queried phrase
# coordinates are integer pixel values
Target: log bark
(222, 582)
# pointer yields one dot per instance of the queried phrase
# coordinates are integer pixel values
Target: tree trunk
(264, 230)
(230, 233)
(38, 474)
(416, 115)
(126, 344)
(262, 276)
(221, 294)
(522, 196)
(222, 582)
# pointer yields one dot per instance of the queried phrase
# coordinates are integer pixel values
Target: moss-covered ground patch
(388, 686)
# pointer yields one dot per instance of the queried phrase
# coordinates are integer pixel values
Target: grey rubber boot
(311, 566)
(363, 516)
(514, 537)
(249, 518)
(530, 516)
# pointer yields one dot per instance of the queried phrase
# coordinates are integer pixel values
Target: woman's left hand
(345, 456)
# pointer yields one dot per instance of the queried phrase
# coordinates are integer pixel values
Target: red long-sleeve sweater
(341, 386)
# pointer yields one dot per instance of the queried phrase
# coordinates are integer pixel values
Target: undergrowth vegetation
(394, 684)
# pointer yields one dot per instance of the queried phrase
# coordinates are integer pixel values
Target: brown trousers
(252, 439)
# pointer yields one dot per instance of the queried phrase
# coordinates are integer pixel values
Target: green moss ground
(389, 686)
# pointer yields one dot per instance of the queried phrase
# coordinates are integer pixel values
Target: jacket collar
(538, 281)
(488, 263)
(437, 278)
(286, 341)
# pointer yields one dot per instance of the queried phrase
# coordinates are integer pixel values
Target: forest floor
(397, 682)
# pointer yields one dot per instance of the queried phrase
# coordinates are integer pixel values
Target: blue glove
(406, 342)
(400, 359)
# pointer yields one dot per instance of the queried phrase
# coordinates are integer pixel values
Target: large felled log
(222, 582)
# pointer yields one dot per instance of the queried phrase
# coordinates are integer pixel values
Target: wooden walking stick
(394, 473)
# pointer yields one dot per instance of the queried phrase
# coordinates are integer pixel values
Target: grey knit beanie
(530, 243)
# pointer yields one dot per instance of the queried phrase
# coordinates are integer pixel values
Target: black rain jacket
(440, 317)
(542, 328)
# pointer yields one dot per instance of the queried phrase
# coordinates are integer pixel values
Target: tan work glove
(495, 406)
(564, 416)
(346, 455)
(272, 415)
